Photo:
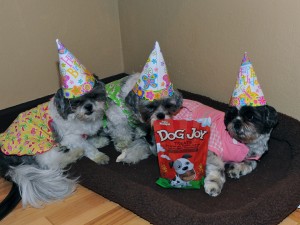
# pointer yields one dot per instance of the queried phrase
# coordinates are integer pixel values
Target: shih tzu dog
(42, 178)
(249, 121)
(134, 102)
(238, 138)
(251, 126)
(131, 131)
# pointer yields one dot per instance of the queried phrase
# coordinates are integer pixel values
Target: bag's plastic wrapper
(182, 147)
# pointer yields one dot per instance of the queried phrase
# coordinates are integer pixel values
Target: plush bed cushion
(266, 196)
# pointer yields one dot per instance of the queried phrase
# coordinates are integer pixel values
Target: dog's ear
(132, 100)
(171, 164)
(96, 77)
(271, 117)
(178, 97)
(60, 103)
(230, 114)
(186, 156)
(99, 83)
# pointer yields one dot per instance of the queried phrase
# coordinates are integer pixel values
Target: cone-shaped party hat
(76, 79)
(247, 89)
(154, 82)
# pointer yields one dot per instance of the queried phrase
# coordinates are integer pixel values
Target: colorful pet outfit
(113, 90)
(220, 142)
(30, 133)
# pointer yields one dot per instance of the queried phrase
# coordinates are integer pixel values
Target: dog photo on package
(182, 147)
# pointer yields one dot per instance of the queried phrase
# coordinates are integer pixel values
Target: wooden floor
(84, 207)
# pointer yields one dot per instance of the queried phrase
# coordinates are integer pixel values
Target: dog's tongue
(188, 175)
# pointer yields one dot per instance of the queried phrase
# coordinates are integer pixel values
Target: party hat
(154, 82)
(247, 89)
(76, 79)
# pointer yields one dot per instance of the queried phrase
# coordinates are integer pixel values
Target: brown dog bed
(266, 196)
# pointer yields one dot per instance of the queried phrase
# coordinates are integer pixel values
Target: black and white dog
(251, 126)
(185, 172)
(42, 178)
(132, 135)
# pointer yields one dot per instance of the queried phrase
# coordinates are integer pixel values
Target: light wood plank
(85, 207)
(292, 219)
(40, 221)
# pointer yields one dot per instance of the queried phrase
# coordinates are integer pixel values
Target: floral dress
(29, 134)
(113, 90)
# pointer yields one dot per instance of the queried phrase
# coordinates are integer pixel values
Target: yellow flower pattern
(29, 134)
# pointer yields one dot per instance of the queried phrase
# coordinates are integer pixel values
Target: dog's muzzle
(89, 109)
(237, 125)
(160, 116)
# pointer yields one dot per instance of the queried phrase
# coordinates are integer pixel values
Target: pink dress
(220, 142)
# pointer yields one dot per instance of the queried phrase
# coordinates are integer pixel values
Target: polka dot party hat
(76, 79)
(154, 82)
(247, 89)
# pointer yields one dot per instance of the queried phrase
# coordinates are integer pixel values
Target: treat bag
(182, 147)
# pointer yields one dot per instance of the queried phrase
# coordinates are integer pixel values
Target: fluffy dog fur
(41, 178)
(251, 126)
(136, 143)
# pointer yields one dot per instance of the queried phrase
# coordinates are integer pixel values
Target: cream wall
(28, 56)
(203, 43)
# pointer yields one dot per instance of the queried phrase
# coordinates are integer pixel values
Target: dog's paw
(237, 170)
(121, 157)
(99, 142)
(131, 157)
(124, 157)
(121, 145)
(212, 188)
(101, 159)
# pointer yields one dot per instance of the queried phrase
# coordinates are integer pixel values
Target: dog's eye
(168, 105)
(76, 102)
(97, 97)
(187, 163)
(249, 117)
(93, 96)
(151, 107)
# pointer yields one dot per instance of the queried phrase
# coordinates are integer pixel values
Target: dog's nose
(237, 125)
(88, 107)
(160, 116)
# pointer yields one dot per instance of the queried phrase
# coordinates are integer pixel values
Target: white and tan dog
(135, 102)
(41, 178)
(131, 133)
(41, 142)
